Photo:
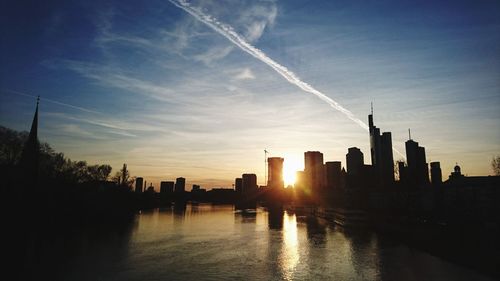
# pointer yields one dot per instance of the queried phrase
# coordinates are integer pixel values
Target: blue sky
(153, 86)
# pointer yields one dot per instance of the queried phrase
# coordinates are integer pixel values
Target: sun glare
(290, 167)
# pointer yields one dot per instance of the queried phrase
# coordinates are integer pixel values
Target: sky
(165, 87)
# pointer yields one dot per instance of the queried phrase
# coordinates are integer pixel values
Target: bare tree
(397, 176)
(495, 165)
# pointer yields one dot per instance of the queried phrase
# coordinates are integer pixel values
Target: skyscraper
(417, 170)
(381, 153)
(436, 175)
(248, 183)
(180, 185)
(275, 167)
(238, 185)
(333, 171)
(139, 184)
(166, 187)
(355, 161)
(314, 171)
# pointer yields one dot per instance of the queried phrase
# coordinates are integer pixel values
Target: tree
(123, 178)
(495, 165)
(98, 172)
(397, 176)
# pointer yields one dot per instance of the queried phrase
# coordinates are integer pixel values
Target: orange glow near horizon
(290, 167)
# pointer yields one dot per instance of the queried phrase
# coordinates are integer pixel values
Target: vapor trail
(228, 32)
(52, 101)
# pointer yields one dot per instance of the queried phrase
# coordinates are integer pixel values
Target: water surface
(205, 242)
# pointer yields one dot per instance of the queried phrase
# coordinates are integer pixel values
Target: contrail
(228, 32)
(52, 101)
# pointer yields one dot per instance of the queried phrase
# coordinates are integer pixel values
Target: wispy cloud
(228, 32)
(245, 74)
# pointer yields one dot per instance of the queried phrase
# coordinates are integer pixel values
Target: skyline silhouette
(170, 96)
(250, 140)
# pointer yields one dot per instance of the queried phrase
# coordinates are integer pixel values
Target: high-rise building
(355, 161)
(436, 175)
(299, 180)
(418, 172)
(166, 187)
(238, 185)
(381, 153)
(180, 185)
(333, 171)
(314, 171)
(139, 184)
(275, 168)
(248, 183)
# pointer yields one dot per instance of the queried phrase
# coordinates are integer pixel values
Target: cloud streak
(52, 101)
(229, 33)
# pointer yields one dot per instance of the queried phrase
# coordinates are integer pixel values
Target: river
(205, 242)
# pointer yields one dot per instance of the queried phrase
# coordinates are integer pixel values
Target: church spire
(30, 155)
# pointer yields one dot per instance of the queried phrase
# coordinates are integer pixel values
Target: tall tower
(180, 185)
(381, 152)
(248, 184)
(355, 161)
(139, 183)
(275, 169)
(30, 155)
(314, 171)
(333, 171)
(436, 175)
(418, 172)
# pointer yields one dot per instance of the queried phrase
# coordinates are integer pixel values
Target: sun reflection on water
(289, 256)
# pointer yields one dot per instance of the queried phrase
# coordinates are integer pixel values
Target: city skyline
(188, 103)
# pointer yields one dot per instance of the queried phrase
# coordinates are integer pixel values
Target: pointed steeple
(30, 155)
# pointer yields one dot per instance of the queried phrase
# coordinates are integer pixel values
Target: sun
(290, 167)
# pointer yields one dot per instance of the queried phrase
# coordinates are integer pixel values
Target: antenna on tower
(265, 166)
(37, 100)
(371, 105)
(409, 134)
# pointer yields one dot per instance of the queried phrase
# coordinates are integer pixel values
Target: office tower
(314, 171)
(166, 187)
(387, 160)
(381, 153)
(299, 180)
(418, 172)
(180, 185)
(333, 171)
(238, 185)
(275, 168)
(248, 183)
(195, 187)
(355, 161)
(139, 183)
(436, 175)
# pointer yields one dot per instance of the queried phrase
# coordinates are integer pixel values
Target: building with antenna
(417, 168)
(381, 153)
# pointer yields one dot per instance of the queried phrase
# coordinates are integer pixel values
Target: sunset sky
(156, 87)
